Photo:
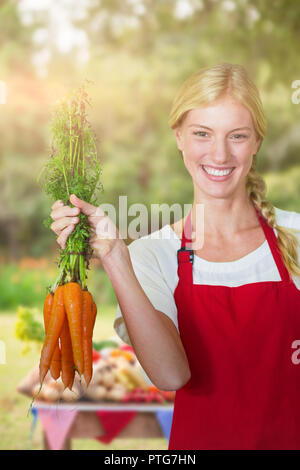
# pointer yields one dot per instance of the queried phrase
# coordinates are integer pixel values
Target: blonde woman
(220, 323)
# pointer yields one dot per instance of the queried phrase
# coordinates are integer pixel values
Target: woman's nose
(220, 152)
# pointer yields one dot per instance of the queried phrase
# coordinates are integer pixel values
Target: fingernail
(74, 219)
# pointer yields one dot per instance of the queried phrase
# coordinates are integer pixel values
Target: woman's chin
(212, 189)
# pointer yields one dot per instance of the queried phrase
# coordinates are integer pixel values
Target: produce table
(119, 403)
(82, 420)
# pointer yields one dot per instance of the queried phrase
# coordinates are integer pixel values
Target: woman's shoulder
(158, 241)
(288, 219)
(154, 256)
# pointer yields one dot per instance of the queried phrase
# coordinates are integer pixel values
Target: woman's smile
(217, 175)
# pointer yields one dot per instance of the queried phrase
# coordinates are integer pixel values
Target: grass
(15, 424)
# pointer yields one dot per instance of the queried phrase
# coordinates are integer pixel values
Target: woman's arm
(153, 335)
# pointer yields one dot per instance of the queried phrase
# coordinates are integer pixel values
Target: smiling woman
(223, 100)
(218, 324)
(237, 333)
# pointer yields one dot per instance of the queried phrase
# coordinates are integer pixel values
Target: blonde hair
(211, 83)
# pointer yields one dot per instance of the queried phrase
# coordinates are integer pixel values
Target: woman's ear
(179, 138)
(259, 141)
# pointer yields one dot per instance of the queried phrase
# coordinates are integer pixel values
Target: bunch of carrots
(69, 307)
(69, 318)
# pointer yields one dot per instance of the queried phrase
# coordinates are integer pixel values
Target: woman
(219, 327)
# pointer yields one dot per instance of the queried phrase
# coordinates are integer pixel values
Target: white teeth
(212, 171)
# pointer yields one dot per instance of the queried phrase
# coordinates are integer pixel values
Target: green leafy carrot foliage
(73, 168)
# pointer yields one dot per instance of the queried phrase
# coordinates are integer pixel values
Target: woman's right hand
(105, 235)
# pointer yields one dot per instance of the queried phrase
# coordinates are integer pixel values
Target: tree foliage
(137, 55)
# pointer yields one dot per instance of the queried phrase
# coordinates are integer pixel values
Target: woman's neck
(223, 218)
(220, 220)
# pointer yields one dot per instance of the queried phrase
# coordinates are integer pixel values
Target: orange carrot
(53, 331)
(95, 307)
(88, 322)
(73, 306)
(55, 366)
(56, 361)
(67, 362)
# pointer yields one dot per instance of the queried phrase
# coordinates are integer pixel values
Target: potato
(116, 394)
(108, 379)
(120, 387)
(50, 393)
(97, 377)
(118, 361)
(70, 395)
(56, 384)
(96, 393)
(98, 365)
(35, 390)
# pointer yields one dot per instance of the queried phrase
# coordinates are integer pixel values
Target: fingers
(62, 223)
(57, 204)
(62, 211)
(65, 219)
(62, 238)
(85, 207)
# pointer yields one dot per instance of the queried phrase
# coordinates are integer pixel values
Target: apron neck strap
(269, 234)
(273, 244)
(186, 233)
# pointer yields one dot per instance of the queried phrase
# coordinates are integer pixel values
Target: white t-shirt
(154, 260)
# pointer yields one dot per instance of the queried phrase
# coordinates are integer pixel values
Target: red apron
(244, 390)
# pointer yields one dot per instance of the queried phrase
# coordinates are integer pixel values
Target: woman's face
(219, 136)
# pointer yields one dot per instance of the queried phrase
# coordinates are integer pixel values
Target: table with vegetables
(118, 378)
(118, 386)
(75, 373)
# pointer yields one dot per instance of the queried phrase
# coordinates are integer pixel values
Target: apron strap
(185, 255)
(275, 250)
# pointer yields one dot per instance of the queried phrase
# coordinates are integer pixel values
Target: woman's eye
(199, 132)
(239, 135)
(236, 136)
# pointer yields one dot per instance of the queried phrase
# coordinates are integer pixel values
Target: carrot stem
(82, 271)
(61, 273)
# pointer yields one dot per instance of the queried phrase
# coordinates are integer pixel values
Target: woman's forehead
(224, 114)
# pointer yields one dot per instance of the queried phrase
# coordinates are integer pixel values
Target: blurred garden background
(135, 53)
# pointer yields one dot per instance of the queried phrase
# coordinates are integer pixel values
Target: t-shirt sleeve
(295, 221)
(291, 219)
(295, 224)
(148, 272)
